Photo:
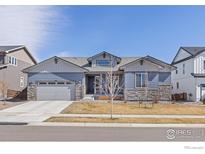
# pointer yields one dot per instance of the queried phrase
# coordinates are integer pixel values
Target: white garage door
(53, 93)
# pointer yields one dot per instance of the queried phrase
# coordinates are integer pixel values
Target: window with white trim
(12, 61)
(21, 82)
(140, 80)
(103, 62)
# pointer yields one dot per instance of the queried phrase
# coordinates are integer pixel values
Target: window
(12, 61)
(51, 82)
(204, 64)
(21, 82)
(140, 80)
(9, 60)
(60, 82)
(183, 68)
(42, 83)
(103, 62)
(176, 71)
(177, 85)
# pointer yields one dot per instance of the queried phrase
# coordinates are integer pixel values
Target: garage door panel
(54, 93)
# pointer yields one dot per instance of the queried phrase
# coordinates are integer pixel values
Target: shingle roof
(83, 62)
(11, 47)
(194, 50)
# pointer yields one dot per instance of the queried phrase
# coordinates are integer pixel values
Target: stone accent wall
(31, 93)
(163, 93)
(79, 88)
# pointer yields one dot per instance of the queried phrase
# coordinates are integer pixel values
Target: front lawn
(129, 120)
(133, 108)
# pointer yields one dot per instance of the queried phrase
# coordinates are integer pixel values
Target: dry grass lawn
(129, 120)
(133, 108)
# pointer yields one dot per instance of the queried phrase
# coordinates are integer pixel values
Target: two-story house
(13, 59)
(72, 78)
(189, 77)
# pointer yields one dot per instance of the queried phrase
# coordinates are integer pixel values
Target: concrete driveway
(33, 111)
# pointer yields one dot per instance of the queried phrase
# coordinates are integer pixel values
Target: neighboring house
(72, 78)
(189, 77)
(13, 59)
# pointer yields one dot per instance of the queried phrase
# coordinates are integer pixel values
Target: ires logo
(173, 133)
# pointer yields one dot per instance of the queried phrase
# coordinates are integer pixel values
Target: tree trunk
(111, 108)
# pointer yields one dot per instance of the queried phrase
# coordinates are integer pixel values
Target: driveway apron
(33, 111)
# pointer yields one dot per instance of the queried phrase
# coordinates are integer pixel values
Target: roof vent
(56, 60)
(104, 55)
(141, 62)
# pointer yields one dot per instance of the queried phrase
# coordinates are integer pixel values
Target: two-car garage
(55, 79)
(55, 91)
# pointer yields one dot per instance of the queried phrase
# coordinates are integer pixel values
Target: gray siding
(34, 77)
(100, 57)
(11, 75)
(55, 65)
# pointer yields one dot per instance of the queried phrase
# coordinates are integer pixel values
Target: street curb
(115, 125)
(13, 123)
(128, 116)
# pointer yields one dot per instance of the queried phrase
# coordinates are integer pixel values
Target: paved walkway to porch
(129, 116)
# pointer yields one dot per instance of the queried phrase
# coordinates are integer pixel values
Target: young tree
(111, 85)
(3, 90)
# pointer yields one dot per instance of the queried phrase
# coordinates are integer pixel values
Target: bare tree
(3, 90)
(111, 85)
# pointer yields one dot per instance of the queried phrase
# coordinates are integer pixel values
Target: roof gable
(185, 53)
(11, 47)
(153, 60)
(181, 55)
(15, 48)
(194, 50)
(55, 64)
(103, 53)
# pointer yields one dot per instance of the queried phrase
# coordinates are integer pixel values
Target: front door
(90, 85)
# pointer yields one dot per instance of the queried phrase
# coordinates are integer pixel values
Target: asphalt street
(65, 133)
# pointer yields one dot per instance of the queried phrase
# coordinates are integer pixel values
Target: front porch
(94, 83)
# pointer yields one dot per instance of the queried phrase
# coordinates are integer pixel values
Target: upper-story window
(183, 68)
(103, 62)
(177, 85)
(176, 71)
(12, 61)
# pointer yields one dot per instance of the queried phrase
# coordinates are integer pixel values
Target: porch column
(100, 83)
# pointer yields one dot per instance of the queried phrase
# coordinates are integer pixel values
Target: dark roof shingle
(11, 47)
(194, 50)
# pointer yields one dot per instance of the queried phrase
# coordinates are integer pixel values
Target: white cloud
(64, 54)
(28, 25)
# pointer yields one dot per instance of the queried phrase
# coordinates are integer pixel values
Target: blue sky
(158, 31)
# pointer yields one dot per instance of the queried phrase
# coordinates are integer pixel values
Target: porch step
(88, 97)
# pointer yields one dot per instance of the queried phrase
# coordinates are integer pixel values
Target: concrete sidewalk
(116, 125)
(128, 116)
